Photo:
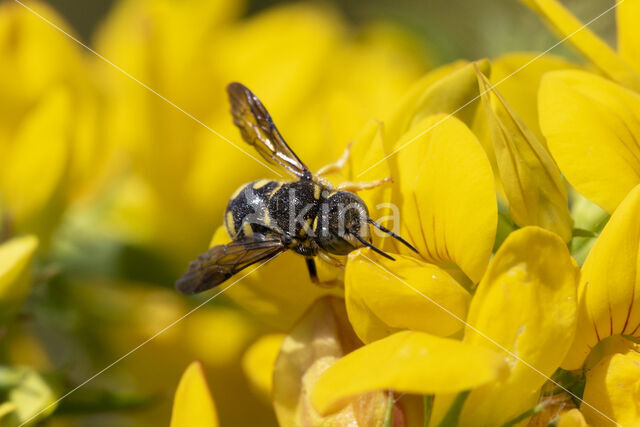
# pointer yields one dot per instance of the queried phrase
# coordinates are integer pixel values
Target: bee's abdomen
(248, 209)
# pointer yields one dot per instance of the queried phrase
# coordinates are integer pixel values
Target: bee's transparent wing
(223, 261)
(258, 130)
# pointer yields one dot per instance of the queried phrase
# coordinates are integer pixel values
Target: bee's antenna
(392, 234)
(376, 250)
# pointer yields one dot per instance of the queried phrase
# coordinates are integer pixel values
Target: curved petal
(592, 127)
(525, 306)
(444, 90)
(258, 363)
(367, 150)
(384, 296)
(628, 16)
(15, 274)
(612, 390)
(193, 405)
(517, 76)
(572, 418)
(609, 292)
(321, 337)
(33, 175)
(407, 362)
(588, 44)
(447, 195)
(530, 177)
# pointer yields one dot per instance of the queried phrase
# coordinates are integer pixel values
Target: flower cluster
(521, 304)
(516, 178)
(115, 168)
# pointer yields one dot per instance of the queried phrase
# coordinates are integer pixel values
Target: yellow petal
(280, 291)
(444, 90)
(530, 177)
(571, 418)
(258, 363)
(34, 56)
(609, 292)
(526, 304)
(628, 15)
(517, 76)
(318, 341)
(587, 43)
(193, 405)
(407, 362)
(33, 178)
(613, 388)
(234, 331)
(367, 150)
(15, 274)
(592, 127)
(447, 196)
(384, 296)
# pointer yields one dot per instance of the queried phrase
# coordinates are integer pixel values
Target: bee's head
(342, 224)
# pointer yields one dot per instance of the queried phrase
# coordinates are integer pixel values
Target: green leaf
(30, 397)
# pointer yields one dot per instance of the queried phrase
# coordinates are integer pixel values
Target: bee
(264, 218)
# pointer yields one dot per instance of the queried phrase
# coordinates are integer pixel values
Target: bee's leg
(313, 274)
(338, 165)
(367, 185)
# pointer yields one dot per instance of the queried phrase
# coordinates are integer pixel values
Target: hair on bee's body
(264, 218)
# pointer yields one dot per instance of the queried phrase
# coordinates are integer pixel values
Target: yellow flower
(45, 95)
(623, 66)
(609, 288)
(15, 274)
(193, 405)
(530, 177)
(526, 303)
(433, 200)
(320, 339)
(449, 214)
(531, 265)
(407, 362)
(572, 418)
(258, 363)
(613, 385)
(127, 314)
(179, 183)
(591, 123)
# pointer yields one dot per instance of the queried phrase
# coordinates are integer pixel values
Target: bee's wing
(223, 261)
(257, 129)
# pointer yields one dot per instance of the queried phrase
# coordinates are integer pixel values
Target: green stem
(451, 418)
(531, 412)
(428, 408)
(388, 416)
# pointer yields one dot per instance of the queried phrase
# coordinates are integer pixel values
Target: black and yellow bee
(266, 217)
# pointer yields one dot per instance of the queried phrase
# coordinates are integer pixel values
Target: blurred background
(453, 29)
(121, 188)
